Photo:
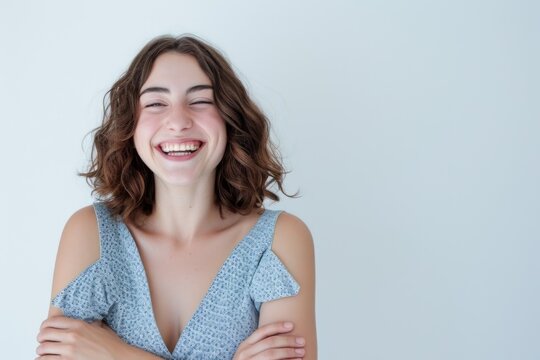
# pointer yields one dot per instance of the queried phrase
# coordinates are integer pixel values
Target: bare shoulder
(293, 241)
(80, 236)
(293, 244)
(78, 248)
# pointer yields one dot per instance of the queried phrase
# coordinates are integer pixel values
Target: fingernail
(288, 325)
(300, 341)
(299, 351)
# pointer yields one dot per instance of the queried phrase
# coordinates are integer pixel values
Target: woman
(179, 259)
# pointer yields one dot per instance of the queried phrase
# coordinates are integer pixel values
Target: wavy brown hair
(251, 164)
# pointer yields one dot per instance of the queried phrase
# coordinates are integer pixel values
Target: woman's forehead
(178, 69)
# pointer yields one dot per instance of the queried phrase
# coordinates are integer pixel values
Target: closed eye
(201, 102)
(154, 105)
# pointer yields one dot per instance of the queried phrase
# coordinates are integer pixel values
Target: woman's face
(179, 134)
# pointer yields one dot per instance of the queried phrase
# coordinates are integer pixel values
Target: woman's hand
(61, 337)
(270, 342)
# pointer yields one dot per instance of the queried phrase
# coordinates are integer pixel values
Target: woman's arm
(78, 340)
(293, 244)
(59, 335)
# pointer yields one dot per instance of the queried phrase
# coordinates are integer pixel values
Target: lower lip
(180, 157)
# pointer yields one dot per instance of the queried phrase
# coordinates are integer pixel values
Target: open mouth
(181, 149)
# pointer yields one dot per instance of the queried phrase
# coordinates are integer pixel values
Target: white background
(412, 130)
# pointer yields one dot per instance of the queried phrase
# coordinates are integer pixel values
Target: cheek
(223, 144)
(137, 137)
(217, 130)
(219, 125)
(222, 130)
(145, 127)
(141, 138)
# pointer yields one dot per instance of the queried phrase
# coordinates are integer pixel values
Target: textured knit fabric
(115, 289)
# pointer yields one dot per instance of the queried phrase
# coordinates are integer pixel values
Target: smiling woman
(178, 258)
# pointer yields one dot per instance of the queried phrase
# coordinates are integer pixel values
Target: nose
(179, 119)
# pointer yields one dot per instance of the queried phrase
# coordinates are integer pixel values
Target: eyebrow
(165, 90)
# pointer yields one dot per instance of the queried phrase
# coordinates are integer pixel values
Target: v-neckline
(146, 284)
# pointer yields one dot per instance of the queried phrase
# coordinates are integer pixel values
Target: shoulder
(78, 248)
(81, 227)
(292, 236)
(80, 237)
(293, 244)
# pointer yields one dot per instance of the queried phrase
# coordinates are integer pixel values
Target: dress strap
(108, 231)
(265, 228)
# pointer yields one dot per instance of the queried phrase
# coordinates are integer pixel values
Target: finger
(269, 330)
(277, 342)
(53, 348)
(278, 354)
(63, 322)
(47, 321)
(52, 334)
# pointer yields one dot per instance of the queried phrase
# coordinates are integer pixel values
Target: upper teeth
(179, 147)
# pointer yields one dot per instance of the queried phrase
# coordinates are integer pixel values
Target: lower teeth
(180, 153)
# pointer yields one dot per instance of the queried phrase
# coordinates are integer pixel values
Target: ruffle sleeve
(89, 296)
(271, 280)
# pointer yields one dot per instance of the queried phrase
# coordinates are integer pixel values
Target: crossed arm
(66, 338)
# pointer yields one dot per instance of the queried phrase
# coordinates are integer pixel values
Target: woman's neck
(184, 214)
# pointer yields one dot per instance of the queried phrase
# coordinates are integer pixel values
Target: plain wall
(411, 129)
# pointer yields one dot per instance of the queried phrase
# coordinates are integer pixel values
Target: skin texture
(184, 231)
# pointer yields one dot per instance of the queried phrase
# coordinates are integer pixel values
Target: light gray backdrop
(411, 128)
